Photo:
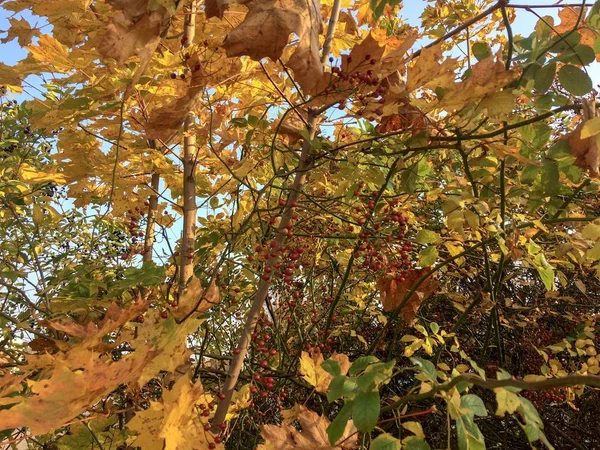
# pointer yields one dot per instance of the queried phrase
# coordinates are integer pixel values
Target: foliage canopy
(299, 224)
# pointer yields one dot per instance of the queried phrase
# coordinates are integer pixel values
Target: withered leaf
(196, 296)
(266, 29)
(313, 435)
(585, 150)
(393, 292)
(166, 120)
(569, 20)
(133, 30)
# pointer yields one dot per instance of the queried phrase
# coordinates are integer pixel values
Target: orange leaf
(313, 435)
(393, 292)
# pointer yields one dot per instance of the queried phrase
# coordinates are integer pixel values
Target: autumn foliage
(299, 224)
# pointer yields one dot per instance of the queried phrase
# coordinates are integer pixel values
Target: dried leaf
(351, 27)
(167, 119)
(266, 29)
(585, 150)
(569, 20)
(196, 296)
(133, 31)
(393, 292)
(312, 437)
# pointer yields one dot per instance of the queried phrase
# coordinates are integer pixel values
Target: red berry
(164, 314)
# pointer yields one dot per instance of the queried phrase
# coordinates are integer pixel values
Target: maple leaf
(52, 53)
(134, 30)
(173, 424)
(427, 69)
(315, 375)
(168, 338)
(265, 31)
(487, 76)
(350, 25)
(569, 20)
(196, 296)
(11, 78)
(393, 292)
(93, 333)
(408, 118)
(584, 147)
(78, 379)
(167, 119)
(312, 437)
(20, 30)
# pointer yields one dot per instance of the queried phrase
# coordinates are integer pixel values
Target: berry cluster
(135, 232)
(360, 78)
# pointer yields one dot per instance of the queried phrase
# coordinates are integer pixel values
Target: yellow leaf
(52, 53)
(20, 30)
(415, 428)
(313, 373)
(241, 399)
(10, 78)
(38, 215)
(32, 175)
(508, 402)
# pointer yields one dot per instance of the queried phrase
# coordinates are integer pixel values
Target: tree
(389, 233)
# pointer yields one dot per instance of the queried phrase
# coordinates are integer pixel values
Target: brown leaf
(133, 31)
(312, 437)
(393, 292)
(167, 119)
(569, 20)
(195, 296)
(585, 151)
(351, 27)
(72, 387)
(266, 29)
(408, 118)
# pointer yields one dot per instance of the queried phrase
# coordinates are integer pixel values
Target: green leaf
(427, 237)
(544, 77)
(361, 363)
(365, 411)
(374, 375)
(335, 430)
(332, 367)
(575, 80)
(550, 178)
(339, 387)
(414, 443)
(546, 271)
(385, 442)
(425, 367)
(428, 256)
(481, 50)
(468, 434)
(474, 404)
